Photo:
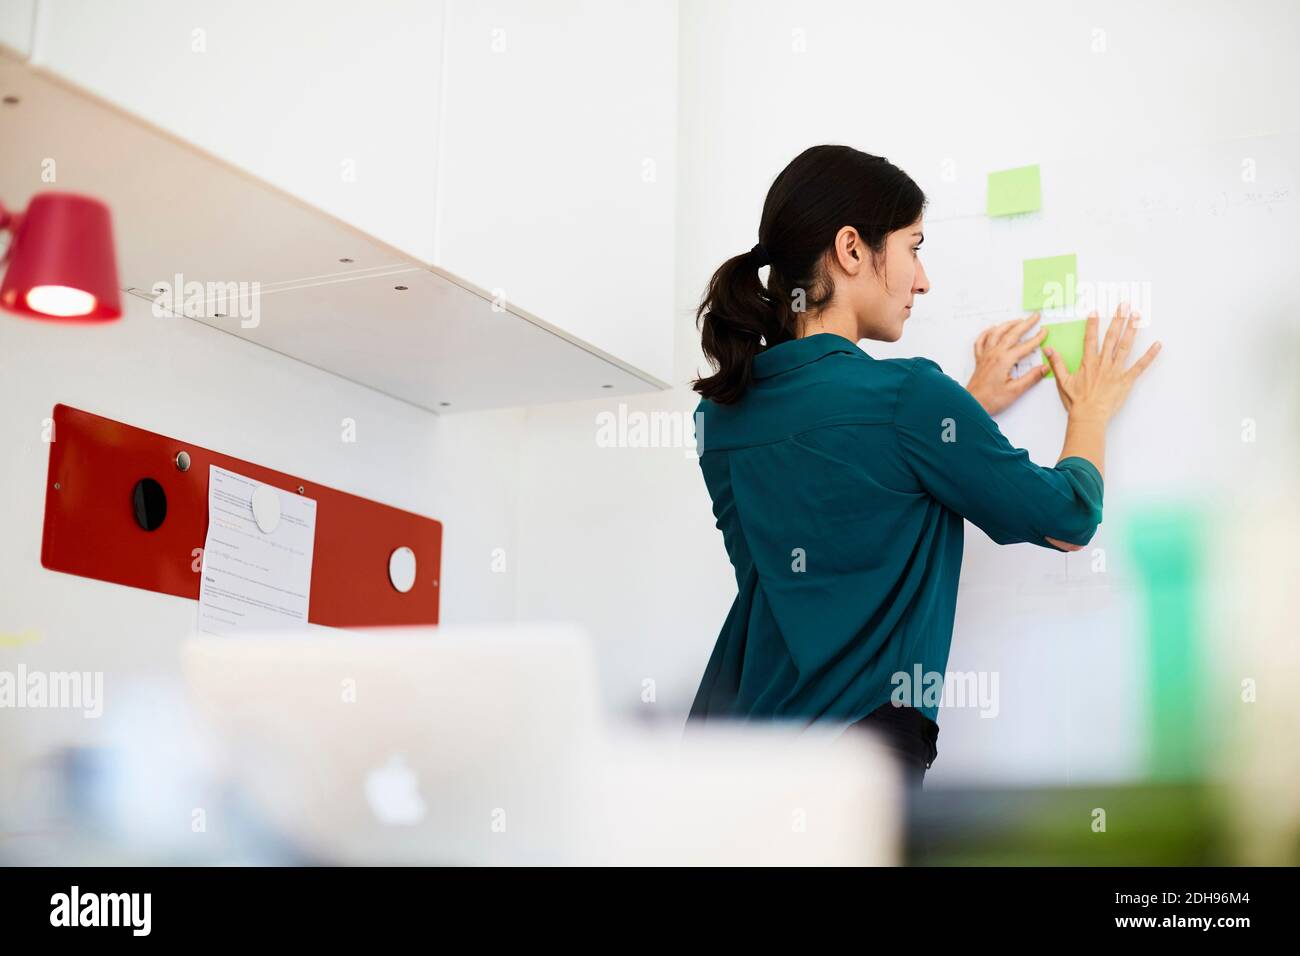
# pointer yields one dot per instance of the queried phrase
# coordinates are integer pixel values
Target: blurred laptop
(406, 745)
(485, 745)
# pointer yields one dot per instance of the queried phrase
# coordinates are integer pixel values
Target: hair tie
(761, 253)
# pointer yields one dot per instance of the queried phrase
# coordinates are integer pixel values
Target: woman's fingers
(1013, 330)
(1089, 339)
(998, 332)
(1060, 371)
(1120, 334)
(986, 338)
(1141, 364)
(1028, 346)
(1126, 340)
(1025, 324)
(1028, 379)
(993, 336)
(1007, 335)
(1113, 332)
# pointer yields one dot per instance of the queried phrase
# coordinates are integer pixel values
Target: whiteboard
(1202, 239)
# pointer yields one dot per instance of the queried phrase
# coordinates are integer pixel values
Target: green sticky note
(1050, 282)
(1013, 191)
(1067, 339)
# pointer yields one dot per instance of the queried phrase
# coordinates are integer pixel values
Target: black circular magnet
(150, 502)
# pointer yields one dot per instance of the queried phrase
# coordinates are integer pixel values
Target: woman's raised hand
(1099, 386)
(997, 350)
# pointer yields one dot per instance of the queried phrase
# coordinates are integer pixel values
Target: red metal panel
(90, 526)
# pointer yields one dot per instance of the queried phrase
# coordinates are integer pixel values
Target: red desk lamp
(61, 261)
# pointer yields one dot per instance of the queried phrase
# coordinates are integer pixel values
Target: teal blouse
(839, 483)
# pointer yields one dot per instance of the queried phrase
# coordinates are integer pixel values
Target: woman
(840, 481)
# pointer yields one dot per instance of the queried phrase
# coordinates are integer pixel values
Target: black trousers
(911, 736)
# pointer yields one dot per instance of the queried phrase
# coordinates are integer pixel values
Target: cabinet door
(557, 153)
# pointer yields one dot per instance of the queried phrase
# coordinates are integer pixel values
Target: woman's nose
(922, 284)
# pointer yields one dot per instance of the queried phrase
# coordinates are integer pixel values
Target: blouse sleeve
(961, 457)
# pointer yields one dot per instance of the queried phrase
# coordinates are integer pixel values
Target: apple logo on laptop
(393, 793)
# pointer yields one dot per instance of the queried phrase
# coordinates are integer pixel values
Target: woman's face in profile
(892, 286)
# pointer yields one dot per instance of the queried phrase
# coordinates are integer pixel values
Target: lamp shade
(61, 261)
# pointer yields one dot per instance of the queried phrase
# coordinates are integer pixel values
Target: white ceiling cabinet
(520, 153)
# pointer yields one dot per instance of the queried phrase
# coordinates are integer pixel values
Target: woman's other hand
(1100, 384)
(997, 350)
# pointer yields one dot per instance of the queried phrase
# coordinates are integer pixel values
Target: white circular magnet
(401, 569)
(266, 508)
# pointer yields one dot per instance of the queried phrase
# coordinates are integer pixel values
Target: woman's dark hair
(822, 190)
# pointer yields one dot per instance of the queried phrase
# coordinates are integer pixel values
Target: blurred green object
(1167, 542)
(1137, 825)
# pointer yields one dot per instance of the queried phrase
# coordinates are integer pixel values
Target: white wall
(622, 539)
(16, 19)
(194, 383)
(1142, 148)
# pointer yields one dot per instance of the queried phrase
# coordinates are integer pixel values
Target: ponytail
(737, 320)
